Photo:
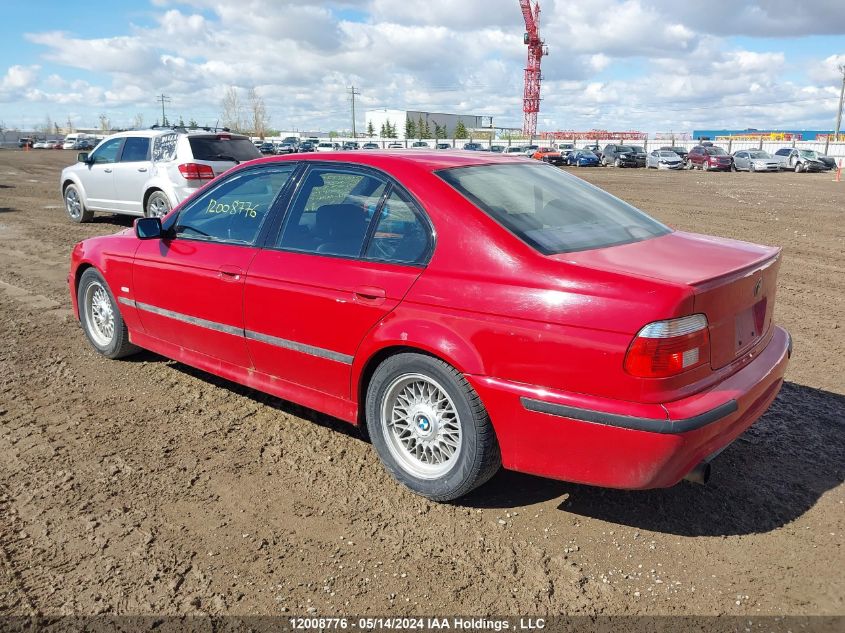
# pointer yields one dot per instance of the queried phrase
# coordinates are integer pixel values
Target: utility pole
(841, 97)
(164, 99)
(353, 93)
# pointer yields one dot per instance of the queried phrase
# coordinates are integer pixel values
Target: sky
(648, 65)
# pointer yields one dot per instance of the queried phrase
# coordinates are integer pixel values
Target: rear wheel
(157, 205)
(74, 206)
(100, 318)
(429, 427)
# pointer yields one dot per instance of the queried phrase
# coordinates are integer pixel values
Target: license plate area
(749, 326)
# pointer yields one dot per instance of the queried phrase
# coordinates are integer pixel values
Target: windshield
(550, 210)
(716, 151)
(759, 154)
(625, 148)
(668, 155)
(807, 153)
(223, 148)
(638, 148)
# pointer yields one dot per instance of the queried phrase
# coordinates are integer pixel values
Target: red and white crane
(536, 50)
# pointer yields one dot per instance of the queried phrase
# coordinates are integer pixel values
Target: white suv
(148, 172)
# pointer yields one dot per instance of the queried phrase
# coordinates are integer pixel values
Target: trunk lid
(733, 282)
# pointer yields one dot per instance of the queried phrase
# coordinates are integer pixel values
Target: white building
(398, 118)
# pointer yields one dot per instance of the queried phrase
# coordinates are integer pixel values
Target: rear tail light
(196, 171)
(668, 348)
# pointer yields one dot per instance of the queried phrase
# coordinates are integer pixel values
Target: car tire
(751, 167)
(435, 408)
(798, 168)
(617, 163)
(100, 317)
(74, 206)
(157, 206)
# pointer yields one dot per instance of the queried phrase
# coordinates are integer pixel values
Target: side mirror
(148, 228)
(82, 157)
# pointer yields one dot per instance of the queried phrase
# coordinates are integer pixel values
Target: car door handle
(371, 294)
(230, 273)
(107, 170)
(142, 169)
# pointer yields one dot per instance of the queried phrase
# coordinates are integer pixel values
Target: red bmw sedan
(472, 310)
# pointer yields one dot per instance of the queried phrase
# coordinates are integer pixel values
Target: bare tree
(138, 121)
(232, 116)
(48, 126)
(3, 130)
(105, 124)
(69, 125)
(258, 110)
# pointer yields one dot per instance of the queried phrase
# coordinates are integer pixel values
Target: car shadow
(117, 219)
(259, 397)
(770, 476)
(7, 210)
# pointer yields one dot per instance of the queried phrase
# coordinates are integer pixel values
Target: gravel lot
(146, 487)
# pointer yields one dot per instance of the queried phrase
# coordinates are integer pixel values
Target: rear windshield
(551, 210)
(214, 148)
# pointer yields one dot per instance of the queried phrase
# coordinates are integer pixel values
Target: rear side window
(332, 211)
(222, 148)
(136, 148)
(400, 235)
(234, 210)
(550, 210)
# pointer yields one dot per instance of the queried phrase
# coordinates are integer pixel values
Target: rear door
(188, 287)
(98, 180)
(351, 246)
(131, 174)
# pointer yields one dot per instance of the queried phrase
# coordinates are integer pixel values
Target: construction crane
(536, 50)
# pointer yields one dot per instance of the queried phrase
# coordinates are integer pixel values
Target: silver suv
(148, 172)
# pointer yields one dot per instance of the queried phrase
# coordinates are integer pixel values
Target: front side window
(135, 149)
(550, 210)
(234, 210)
(332, 211)
(107, 152)
(400, 235)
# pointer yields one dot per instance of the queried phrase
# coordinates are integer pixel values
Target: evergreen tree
(383, 133)
(391, 129)
(410, 129)
(420, 127)
(461, 130)
(426, 131)
(193, 124)
(370, 131)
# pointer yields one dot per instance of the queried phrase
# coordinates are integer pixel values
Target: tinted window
(136, 148)
(551, 210)
(222, 148)
(331, 212)
(234, 210)
(782, 152)
(107, 152)
(400, 235)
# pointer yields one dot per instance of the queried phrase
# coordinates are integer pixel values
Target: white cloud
(636, 63)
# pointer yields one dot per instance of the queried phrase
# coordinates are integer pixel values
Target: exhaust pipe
(700, 474)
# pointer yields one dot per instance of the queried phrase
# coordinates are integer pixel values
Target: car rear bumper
(619, 444)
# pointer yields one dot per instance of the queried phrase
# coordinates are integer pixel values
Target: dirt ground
(146, 487)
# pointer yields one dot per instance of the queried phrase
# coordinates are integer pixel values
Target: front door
(98, 181)
(188, 287)
(350, 249)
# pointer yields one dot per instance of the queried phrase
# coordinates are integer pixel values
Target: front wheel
(430, 428)
(799, 168)
(74, 206)
(101, 320)
(751, 167)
